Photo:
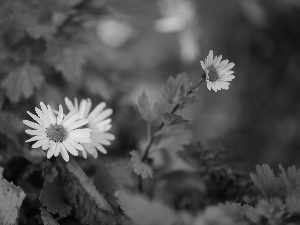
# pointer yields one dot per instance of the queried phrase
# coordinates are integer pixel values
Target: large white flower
(57, 134)
(218, 73)
(98, 121)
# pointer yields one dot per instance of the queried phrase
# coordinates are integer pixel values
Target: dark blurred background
(135, 45)
(257, 120)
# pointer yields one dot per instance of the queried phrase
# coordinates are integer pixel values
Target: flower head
(57, 134)
(98, 122)
(218, 73)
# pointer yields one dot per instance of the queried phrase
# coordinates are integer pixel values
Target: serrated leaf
(290, 179)
(10, 125)
(89, 205)
(172, 138)
(266, 181)
(148, 112)
(176, 91)
(273, 209)
(11, 198)
(139, 167)
(47, 218)
(172, 119)
(292, 203)
(142, 211)
(251, 214)
(21, 82)
(52, 198)
(68, 59)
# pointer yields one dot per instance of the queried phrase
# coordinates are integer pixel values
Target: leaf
(273, 209)
(139, 167)
(52, 198)
(290, 179)
(145, 212)
(10, 125)
(176, 91)
(292, 203)
(67, 58)
(266, 181)
(89, 205)
(11, 198)
(172, 119)
(172, 138)
(47, 218)
(251, 214)
(21, 82)
(148, 112)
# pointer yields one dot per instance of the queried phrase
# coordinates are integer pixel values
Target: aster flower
(218, 73)
(98, 122)
(57, 134)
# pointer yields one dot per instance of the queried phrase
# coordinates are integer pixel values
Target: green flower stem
(175, 108)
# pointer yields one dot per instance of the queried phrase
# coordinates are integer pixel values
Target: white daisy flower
(57, 134)
(218, 73)
(98, 122)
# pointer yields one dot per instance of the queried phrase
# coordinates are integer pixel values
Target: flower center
(212, 74)
(57, 133)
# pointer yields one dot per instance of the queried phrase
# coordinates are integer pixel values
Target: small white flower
(98, 122)
(218, 73)
(57, 134)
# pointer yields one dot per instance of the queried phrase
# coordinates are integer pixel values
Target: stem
(152, 139)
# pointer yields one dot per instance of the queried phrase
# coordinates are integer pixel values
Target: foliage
(53, 48)
(11, 198)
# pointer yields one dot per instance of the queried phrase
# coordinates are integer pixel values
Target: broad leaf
(172, 138)
(148, 112)
(67, 58)
(21, 82)
(11, 198)
(290, 179)
(266, 181)
(142, 211)
(47, 218)
(89, 205)
(177, 90)
(139, 167)
(52, 197)
(172, 119)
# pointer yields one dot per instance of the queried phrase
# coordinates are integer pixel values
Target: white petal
(75, 144)
(69, 115)
(35, 132)
(51, 150)
(37, 119)
(106, 113)
(60, 114)
(42, 116)
(88, 108)
(36, 138)
(82, 108)
(45, 112)
(39, 143)
(228, 67)
(70, 148)
(227, 78)
(71, 120)
(208, 85)
(69, 104)
(96, 110)
(58, 148)
(77, 124)
(51, 115)
(99, 147)
(33, 125)
(64, 154)
(46, 145)
(217, 60)
(107, 136)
